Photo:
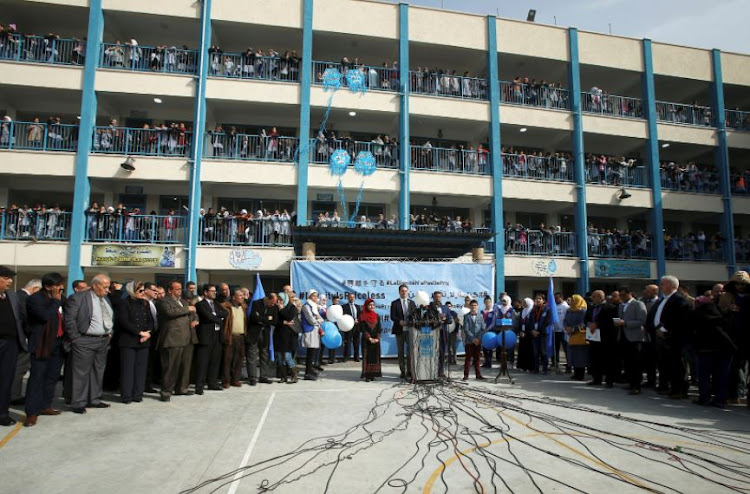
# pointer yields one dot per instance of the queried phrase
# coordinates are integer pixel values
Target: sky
(721, 24)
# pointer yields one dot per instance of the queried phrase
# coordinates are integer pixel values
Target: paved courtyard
(342, 435)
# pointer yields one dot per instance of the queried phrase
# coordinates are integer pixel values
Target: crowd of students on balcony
(40, 222)
(263, 146)
(448, 82)
(170, 138)
(694, 114)
(530, 92)
(537, 164)
(160, 58)
(265, 227)
(456, 158)
(597, 100)
(612, 170)
(542, 240)
(383, 77)
(49, 135)
(255, 64)
(689, 177)
(619, 243)
(122, 224)
(49, 48)
(694, 246)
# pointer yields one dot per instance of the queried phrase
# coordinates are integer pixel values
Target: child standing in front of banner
(474, 329)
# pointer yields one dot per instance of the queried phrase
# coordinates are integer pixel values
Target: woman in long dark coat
(285, 341)
(369, 327)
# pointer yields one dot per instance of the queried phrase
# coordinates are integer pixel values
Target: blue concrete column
(574, 77)
(82, 187)
(404, 136)
(722, 162)
(652, 160)
(496, 160)
(306, 70)
(196, 153)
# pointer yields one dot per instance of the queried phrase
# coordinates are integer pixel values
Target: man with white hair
(668, 321)
(23, 362)
(89, 322)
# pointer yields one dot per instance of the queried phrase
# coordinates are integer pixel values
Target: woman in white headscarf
(525, 345)
(311, 322)
(506, 319)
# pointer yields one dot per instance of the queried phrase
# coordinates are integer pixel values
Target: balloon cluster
(491, 340)
(337, 323)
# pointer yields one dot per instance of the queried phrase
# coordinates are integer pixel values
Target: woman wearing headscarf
(525, 345)
(311, 322)
(578, 351)
(135, 324)
(506, 319)
(734, 305)
(285, 339)
(370, 330)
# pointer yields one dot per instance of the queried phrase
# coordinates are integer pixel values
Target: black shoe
(150, 390)
(184, 393)
(215, 388)
(101, 404)
(311, 377)
(7, 421)
(486, 366)
(79, 411)
(402, 376)
(264, 380)
(18, 401)
(331, 361)
(253, 382)
(137, 400)
(127, 402)
(165, 398)
(199, 391)
(356, 359)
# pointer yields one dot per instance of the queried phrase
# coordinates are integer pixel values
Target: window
(180, 204)
(253, 205)
(531, 220)
(132, 201)
(370, 210)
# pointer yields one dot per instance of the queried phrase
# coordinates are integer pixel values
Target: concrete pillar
(308, 251)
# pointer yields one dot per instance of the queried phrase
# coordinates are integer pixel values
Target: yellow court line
(433, 478)
(10, 435)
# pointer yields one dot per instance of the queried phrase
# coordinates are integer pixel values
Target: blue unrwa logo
(426, 346)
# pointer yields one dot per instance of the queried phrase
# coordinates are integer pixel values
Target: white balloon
(334, 313)
(421, 298)
(345, 323)
(462, 313)
(451, 327)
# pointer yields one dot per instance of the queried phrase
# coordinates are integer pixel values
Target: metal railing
(742, 249)
(519, 241)
(617, 245)
(141, 142)
(35, 225)
(611, 104)
(684, 114)
(139, 58)
(249, 147)
(693, 249)
(516, 93)
(537, 167)
(740, 184)
(376, 78)
(467, 161)
(251, 66)
(38, 136)
(336, 222)
(736, 119)
(39, 49)
(135, 228)
(630, 176)
(699, 182)
(448, 85)
(386, 156)
(243, 230)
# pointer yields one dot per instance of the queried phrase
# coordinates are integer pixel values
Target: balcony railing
(741, 184)
(249, 147)
(516, 93)
(524, 242)
(141, 142)
(630, 176)
(163, 59)
(464, 161)
(321, 149)
(612, 105)
(698, 182)
(684, 114)
(244, 66)
(38, 136)
(742, 249)
(737, 119)
(615, 245)
(376, 78)
(133, 228)
(243, 230)
(693, 249)
(35, 225)
(336, 222)
(537, 168)
(448, 85)
(38, 49)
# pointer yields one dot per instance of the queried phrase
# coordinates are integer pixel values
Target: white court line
(236, 481)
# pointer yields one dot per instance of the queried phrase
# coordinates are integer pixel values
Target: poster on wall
(622, 269)
(380, 281)
(142, 256)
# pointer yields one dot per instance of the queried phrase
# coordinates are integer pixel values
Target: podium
(425, 350)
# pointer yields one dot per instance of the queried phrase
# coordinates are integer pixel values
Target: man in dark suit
(89, 323)
(668, 320)
(211, 317)
(445, 319)
(24, 360)
(600, 317)
(649, 298)
(352, 337)
(263, 314)
(632, 320)
(402, 310)
(176, 322)
(12, 340)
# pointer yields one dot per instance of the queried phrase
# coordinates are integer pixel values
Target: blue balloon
(355, 79)
(489, 341)
(339, 162)
(332, 339)
(331, 79)
(365, 163)
(328, 327)
(510, 339)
